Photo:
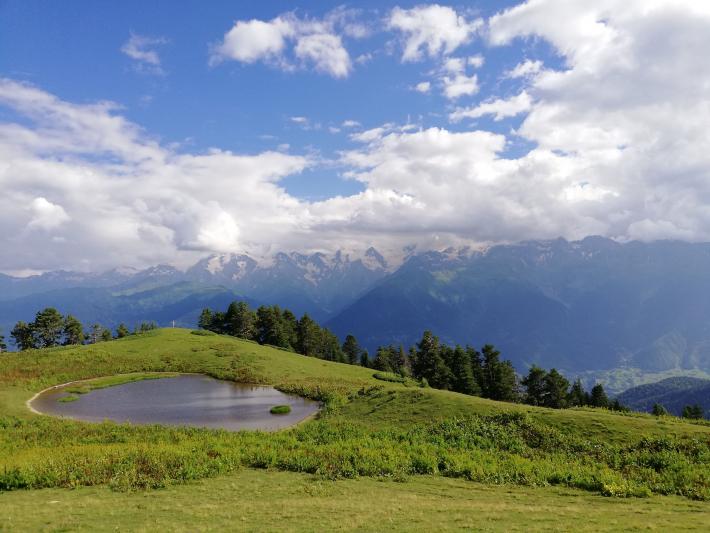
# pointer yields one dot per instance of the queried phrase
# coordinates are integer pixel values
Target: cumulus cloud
(499, 108)
(525, 69)
(96, 191)
(46, 215)
(312, 43)
(143, 50)
(431, 30)
(454, 79)
(618, 138)
(253, 40)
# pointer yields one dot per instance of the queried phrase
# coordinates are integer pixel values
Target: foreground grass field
(258, 500)
(369, 430)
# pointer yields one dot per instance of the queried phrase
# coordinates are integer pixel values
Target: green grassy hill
(430, 445)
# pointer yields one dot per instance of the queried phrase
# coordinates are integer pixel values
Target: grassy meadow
(381, 452)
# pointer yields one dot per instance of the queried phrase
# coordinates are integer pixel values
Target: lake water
(186, 400)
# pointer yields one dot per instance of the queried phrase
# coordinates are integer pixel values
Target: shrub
(280, 410)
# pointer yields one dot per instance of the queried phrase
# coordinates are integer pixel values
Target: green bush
(280, 410)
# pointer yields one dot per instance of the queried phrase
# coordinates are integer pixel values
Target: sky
(142, 132)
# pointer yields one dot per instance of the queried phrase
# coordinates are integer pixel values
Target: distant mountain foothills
(673, 394)
(593, 307)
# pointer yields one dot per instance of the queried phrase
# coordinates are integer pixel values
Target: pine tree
(462, 373)
(400, 361)
(308, 333)
(429, 364)
(598, 397)
(693, 412)
(3, 346)
(534, 384)
(95, 333)
(382, 359)
(476, 366)
(329, 347)
(122, 331)
(499, 381)
(658, 410)
(73, 331)
(106, 335)
(240, 320)
(365, 359)
(23, 335)
(47, 327)
(269, 328)
(289, 323)
(205, 320)
(577, 396)
(556, 388)
(352, 350)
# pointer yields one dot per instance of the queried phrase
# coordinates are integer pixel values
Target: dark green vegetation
(50, 329)
(673, 394)
(368, 428)
(280, 409)
(430, 362)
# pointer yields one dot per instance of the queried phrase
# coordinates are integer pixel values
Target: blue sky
(133, 133)
(73, 50)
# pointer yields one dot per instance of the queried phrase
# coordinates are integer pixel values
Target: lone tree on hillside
(658, 410)
(352, 350)
(598, 398)
(693, 412)
(23, 336)
(47, 327)
(122, 331)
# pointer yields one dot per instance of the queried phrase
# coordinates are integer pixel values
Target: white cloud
(310, 43)
(105, 194)
(325, 51)
(499, 108)
(423, 87)
(142, 49)
(350, 124)
(454, 80)
(619, 148)
(46, 215)
(254, 40)
(431, 29)
(525, 69)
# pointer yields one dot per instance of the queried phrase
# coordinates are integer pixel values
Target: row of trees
(692, 412)
(460, 369)
(552, 389)
(270, 325)
(50, 328)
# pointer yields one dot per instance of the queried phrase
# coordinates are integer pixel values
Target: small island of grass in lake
(280, 410)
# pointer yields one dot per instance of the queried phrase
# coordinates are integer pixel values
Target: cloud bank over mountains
(618, 145)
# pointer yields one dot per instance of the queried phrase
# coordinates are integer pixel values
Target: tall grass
(498, 449)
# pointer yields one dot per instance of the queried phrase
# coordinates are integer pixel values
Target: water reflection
(187, 400)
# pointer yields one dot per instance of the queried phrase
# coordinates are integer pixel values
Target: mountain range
(672, 393)
(593, 305)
